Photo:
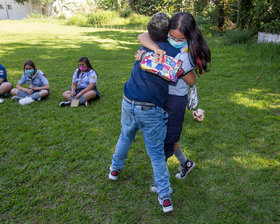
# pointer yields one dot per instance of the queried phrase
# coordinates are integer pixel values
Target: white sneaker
(25, 101)
(166, 204)
(1, 100)
(153, 187)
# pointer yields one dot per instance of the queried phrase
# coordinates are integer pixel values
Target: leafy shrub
(271, 27)
(37, 16)
(125, 13)
(101, 17)
(77, 20)
(237, 36)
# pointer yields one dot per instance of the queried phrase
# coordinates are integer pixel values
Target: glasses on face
(177, 40)
(82, 65)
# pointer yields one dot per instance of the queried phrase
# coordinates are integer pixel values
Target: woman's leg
(90, 95)
(67, 95)
(5, 87)
(14, 91)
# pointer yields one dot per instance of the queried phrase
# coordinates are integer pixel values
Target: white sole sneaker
(179, 176)
(114, 177)
(25, 101)
(168, 208)
(153, 187)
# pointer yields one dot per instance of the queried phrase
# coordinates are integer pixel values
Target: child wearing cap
(84, 85)
(5, 86)
(38, 85)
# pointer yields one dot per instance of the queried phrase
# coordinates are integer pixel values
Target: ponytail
(198, 48)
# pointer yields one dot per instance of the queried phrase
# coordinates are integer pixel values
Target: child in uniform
(84, 85)
(184, 35)
(38, 85)
(5, 86)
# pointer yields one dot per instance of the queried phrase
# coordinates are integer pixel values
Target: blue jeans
(153, 123)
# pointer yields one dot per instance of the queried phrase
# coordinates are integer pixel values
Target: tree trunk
(30, 6)
(238, 13)
(132, 2)
(45, 8)
(7, 12)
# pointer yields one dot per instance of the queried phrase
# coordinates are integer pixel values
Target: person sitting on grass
(83, 87)
(38, 85)
(5, 86)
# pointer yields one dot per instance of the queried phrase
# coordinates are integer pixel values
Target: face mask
(176, 44)
(29, 72)
(83, 69)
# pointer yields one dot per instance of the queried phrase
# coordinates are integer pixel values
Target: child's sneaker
(153, 187)
(114, 174)
(65, 103)
(86, 104)
(6, 95)
(185, 169)
(166, 204)
(25, 101)
(17, 98)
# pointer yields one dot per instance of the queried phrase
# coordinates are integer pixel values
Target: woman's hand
(160, 55)
(29, 91)
(138, 55)
(78, 95)
(73, 93)
(33, 87)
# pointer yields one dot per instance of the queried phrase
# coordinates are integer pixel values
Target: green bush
(77, 20)
(101, 17)
(237, 36)
(37, 16)
(125, 13)
(271, 27)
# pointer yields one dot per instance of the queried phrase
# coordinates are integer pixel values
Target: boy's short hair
(158, 26)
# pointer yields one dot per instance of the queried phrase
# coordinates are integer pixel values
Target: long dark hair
(85, 59)
(198, 48)
(30, 63)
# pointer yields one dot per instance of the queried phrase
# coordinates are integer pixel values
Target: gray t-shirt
(180, 88)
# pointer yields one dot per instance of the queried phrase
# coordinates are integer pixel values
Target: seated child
(38, 85)
(5, 86)
(83, 87)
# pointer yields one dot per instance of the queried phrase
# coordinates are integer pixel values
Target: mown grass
(55, 161)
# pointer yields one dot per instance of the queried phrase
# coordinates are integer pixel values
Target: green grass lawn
(55, 161)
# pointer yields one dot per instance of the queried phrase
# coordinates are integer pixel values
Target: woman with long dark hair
(84, 85)
(185, 35)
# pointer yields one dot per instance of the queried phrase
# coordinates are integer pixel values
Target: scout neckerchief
(80, 81)
(33, 77)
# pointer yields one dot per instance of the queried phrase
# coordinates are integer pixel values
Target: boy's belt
(139, 103)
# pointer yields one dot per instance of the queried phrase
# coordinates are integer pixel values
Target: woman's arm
(47, 86)
(73, 89)
(147, 42)
(88, 88)
(20, 87)
(190, 78)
